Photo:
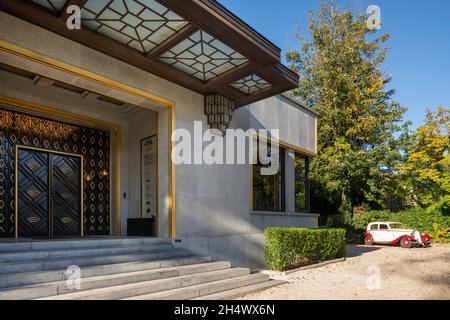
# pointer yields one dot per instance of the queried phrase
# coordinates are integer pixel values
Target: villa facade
(87, 116)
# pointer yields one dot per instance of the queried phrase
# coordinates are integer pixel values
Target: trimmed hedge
(288, 248)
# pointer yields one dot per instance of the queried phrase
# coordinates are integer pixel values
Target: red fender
(405, 236)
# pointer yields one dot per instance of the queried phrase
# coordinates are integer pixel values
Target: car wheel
(368, 240)
(405, 243)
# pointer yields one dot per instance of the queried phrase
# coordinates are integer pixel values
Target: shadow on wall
(220, 228)
(213, 210)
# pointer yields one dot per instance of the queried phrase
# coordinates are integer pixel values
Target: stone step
(60, 287)
(241, 291)
(42, 265)
(143, 288)
(51, 254)
(23, 245)
(29, 278)
(204, 289)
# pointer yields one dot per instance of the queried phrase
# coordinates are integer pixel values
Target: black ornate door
(27, 131)
(49, 194)
(65, 196)
(33, 196)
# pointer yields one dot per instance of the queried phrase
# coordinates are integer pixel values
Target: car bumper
(418, 244)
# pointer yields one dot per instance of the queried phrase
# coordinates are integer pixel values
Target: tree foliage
(426, 169)
(359, 123)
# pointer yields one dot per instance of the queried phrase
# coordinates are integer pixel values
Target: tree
(426, 168)
(340, 76)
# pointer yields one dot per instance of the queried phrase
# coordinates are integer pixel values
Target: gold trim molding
(57, 114)
(286, 146)
(90, 76)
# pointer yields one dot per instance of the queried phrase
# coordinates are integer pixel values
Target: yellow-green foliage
(427, 165)
(440, 233)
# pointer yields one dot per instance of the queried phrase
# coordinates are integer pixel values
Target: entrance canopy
(198, 44)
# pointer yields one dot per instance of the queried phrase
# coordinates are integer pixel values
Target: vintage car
(394, 233)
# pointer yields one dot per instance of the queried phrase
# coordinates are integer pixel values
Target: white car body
(387, 232)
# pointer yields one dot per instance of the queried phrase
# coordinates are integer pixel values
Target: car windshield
(396, 226)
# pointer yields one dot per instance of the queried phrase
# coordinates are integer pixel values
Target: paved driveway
(378, 272)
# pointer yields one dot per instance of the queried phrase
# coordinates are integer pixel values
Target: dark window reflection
(301, 183)
(268, 191)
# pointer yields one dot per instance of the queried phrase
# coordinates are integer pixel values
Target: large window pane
(301, 183)
(268, 191)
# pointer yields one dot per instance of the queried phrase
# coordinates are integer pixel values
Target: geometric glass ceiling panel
(203, 56)
(54, 5)
(251, 84)
(139, 24)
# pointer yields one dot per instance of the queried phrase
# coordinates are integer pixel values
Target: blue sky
(419, 56)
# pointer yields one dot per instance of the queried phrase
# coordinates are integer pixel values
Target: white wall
(214, 214)
(297, 124)
(144, 125)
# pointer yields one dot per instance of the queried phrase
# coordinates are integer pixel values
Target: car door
(385, 234)
(375, 232)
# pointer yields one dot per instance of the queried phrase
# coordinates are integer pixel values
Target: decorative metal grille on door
(18, 128)
(65, 195)
(49, 194)
(33, 197)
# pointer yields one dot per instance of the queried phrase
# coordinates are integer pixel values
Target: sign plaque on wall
(148, 177)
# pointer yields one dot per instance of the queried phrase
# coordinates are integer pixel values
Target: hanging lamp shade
(219, 111)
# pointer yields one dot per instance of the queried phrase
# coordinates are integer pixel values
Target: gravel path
(419, 273)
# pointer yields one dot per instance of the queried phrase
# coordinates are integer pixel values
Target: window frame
(305, 180)
(385, 225)
(282, 183)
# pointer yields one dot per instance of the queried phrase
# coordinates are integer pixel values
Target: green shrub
(442, 206)
(420, 219)
(287, 248)
(439, 233)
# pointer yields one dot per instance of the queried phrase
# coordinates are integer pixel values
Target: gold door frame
(115, 131)
(16, 183)
(169, 105)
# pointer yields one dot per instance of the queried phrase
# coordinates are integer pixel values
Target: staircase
(121, 268)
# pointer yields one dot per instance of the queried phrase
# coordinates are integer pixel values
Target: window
(268, 191)
(301, 183)
(374, 227)
(384, 227)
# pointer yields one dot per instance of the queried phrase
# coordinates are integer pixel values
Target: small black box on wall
(141, 227)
